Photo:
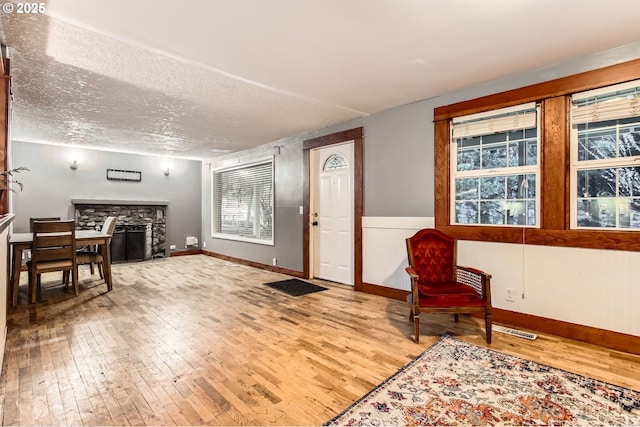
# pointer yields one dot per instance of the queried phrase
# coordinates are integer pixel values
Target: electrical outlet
(508, 294)
(172, 246)
(300, 210)
(204, 244)
(275, 262)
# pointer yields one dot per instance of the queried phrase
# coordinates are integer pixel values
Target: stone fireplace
(149, 216)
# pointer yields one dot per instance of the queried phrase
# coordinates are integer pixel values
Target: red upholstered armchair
(438, 285)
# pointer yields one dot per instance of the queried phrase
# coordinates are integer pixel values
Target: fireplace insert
(131, 242)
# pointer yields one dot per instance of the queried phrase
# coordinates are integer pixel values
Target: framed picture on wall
(123, 175)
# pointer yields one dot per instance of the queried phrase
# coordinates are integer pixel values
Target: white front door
(332, 213)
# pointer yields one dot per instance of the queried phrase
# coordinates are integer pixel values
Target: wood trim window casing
(555, 162)
(355, 135)
(554, 97)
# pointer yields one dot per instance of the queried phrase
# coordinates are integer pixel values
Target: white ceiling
(196, 78)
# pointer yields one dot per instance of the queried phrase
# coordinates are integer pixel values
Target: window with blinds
(495, 169)
(605, 158)
(243, 203)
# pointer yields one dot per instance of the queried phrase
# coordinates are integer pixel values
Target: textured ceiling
(195, 78)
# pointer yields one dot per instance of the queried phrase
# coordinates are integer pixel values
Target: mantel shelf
(120, 202)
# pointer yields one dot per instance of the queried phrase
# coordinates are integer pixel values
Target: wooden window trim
(555, 207)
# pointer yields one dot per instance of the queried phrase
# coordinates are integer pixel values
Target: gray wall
(287, 248)
(50, 184)
(398, 162)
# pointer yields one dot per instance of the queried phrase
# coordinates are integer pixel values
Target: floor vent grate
(514, 332)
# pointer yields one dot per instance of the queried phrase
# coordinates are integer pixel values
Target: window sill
(241, 239)
(590, 239)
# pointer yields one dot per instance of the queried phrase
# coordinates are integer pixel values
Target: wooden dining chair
(53, 249)
(32, 220)
(95, 257)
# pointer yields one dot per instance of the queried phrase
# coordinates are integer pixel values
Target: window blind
(243, 201)
(502, 120)
(610, 103)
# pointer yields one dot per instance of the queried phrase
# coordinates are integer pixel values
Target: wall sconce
(74, 165)
(166, 172)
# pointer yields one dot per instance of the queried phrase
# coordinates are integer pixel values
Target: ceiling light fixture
(74, 165)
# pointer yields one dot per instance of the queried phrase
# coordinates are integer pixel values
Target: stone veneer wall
(92, 216)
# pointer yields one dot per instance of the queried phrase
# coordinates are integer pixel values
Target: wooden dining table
(20, 242)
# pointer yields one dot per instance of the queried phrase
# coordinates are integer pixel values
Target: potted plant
(7, 179)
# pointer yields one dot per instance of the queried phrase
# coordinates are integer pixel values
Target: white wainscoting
(384, 251)
(590, 287)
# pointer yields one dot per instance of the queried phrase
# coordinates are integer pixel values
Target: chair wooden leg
(76, 285)
(487, 326)
(91, 268)
(411, 315)
(38, 288)
(455, 317)
(416, 327)
(35, 289)
(16, 292)
(33, 283)
(100, 270)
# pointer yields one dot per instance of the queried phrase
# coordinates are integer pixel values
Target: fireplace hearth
(140, 232)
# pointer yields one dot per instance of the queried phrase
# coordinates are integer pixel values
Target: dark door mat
(295, 287)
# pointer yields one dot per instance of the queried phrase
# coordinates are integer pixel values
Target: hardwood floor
(195, 340)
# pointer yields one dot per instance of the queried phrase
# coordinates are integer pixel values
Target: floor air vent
(514, 332)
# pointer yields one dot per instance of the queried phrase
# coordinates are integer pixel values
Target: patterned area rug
(296, 287)
(455, 383)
